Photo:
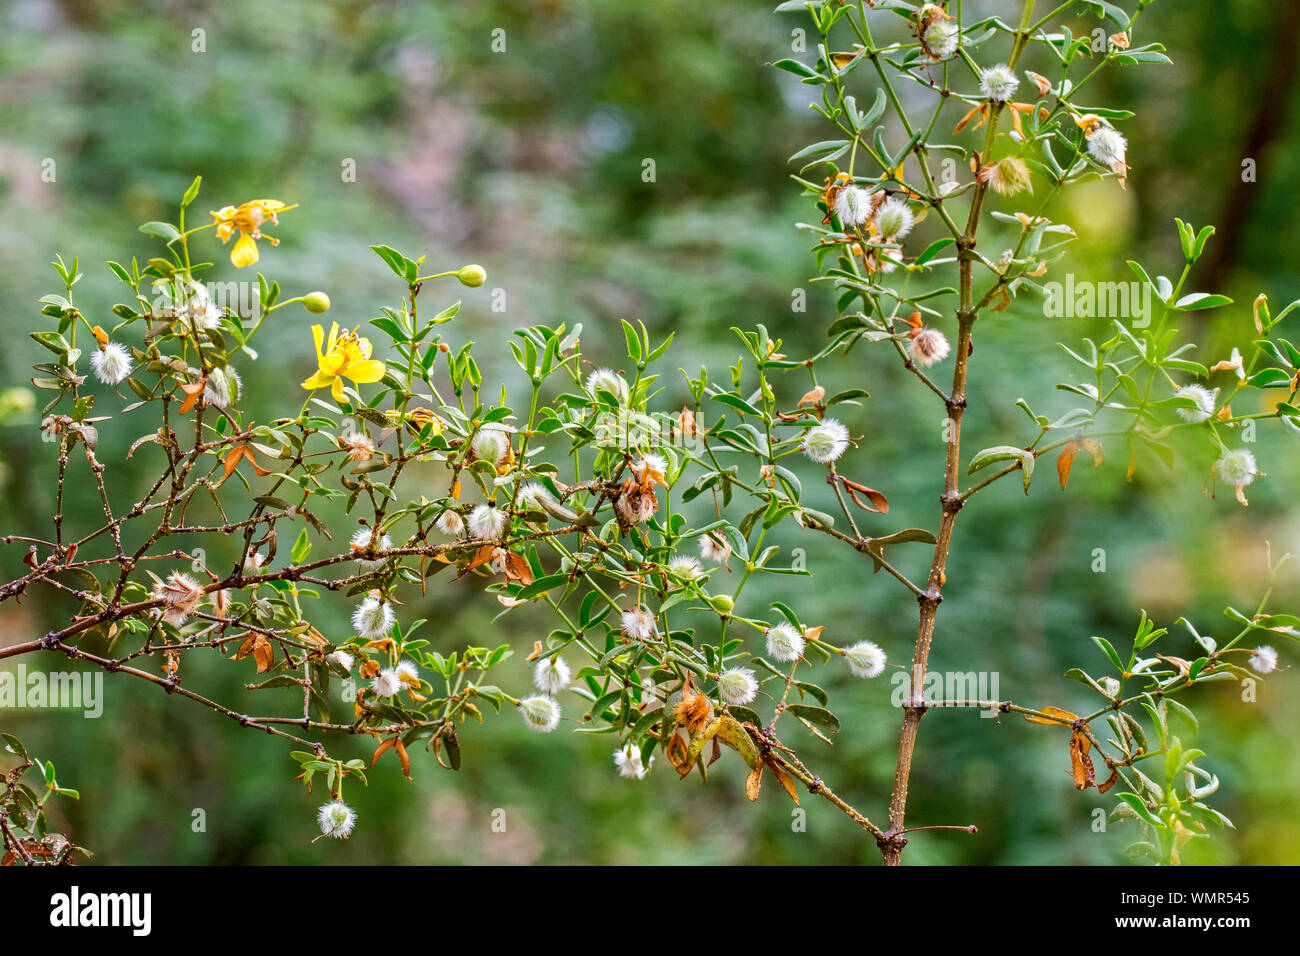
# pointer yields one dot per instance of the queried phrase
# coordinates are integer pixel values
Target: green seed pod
(316, 302)
(472, 276)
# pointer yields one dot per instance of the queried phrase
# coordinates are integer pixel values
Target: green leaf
(301, 548)
(541, 586)
(191, 192)
(795, 67)
(633, 341)
(1262, 379)
(738, 403)
(1004, 453)
(163, 230)
(1140, 808)
(1108, 649)
(395, 260)
(933, 249)
(816, 715)
(1182, 712)
(1201, 300)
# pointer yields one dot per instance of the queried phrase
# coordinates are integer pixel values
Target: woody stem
(892, 841)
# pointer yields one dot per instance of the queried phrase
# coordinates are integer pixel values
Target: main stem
(892, 841)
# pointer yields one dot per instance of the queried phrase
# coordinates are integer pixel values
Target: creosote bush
(397, 471)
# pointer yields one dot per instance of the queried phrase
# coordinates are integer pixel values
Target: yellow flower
(344, 356)
(247, 221)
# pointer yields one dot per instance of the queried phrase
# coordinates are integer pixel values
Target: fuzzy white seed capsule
(491, 444)
(928, 347)
(1264, 660)
(941, 38)
(540, 714)
(686, 566)
(628, 761)
(533, 494)
(551, 675)
(865, 659)
(636, 507)
(361, 542)
(853, 206)
(358, 445)
(784, 643)
(1236, 468)
(713, 547)
(894, 219)
(1007, 177)
(825, 442)
(111, 364)
(387, 683)
(1205, 401)
(486, 522)
(451, 523)
(180, 595)
(223, 387)
(373, 618)
(336, 820)
(1108, 146)
(607, 380)
(999, 83)
(639, 623)
(737, 685)
(408, 673)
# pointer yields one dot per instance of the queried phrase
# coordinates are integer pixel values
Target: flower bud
(472, 275)
(722, 603)
(316, 302)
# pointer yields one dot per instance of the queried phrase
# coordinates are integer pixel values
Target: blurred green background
(530, 160)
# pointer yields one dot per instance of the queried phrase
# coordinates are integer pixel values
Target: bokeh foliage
(530, 161)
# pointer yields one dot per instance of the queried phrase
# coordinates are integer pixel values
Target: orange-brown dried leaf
(403, 757)
(517, 569)
(192, 392)
(813, 396)
(981, 109)
(783, 778)
(385, 644)
(1066, 718)
(1109, 781)
(1081, 767)
(1066, 461)
(263, 653)
(753, 782)
(879, 503)
(677, 755)
(482, 556)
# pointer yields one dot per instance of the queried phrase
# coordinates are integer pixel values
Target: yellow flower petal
(337, 390)
(371, 370)
(244, 252)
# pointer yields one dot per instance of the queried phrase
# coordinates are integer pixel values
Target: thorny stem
(892, 841)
